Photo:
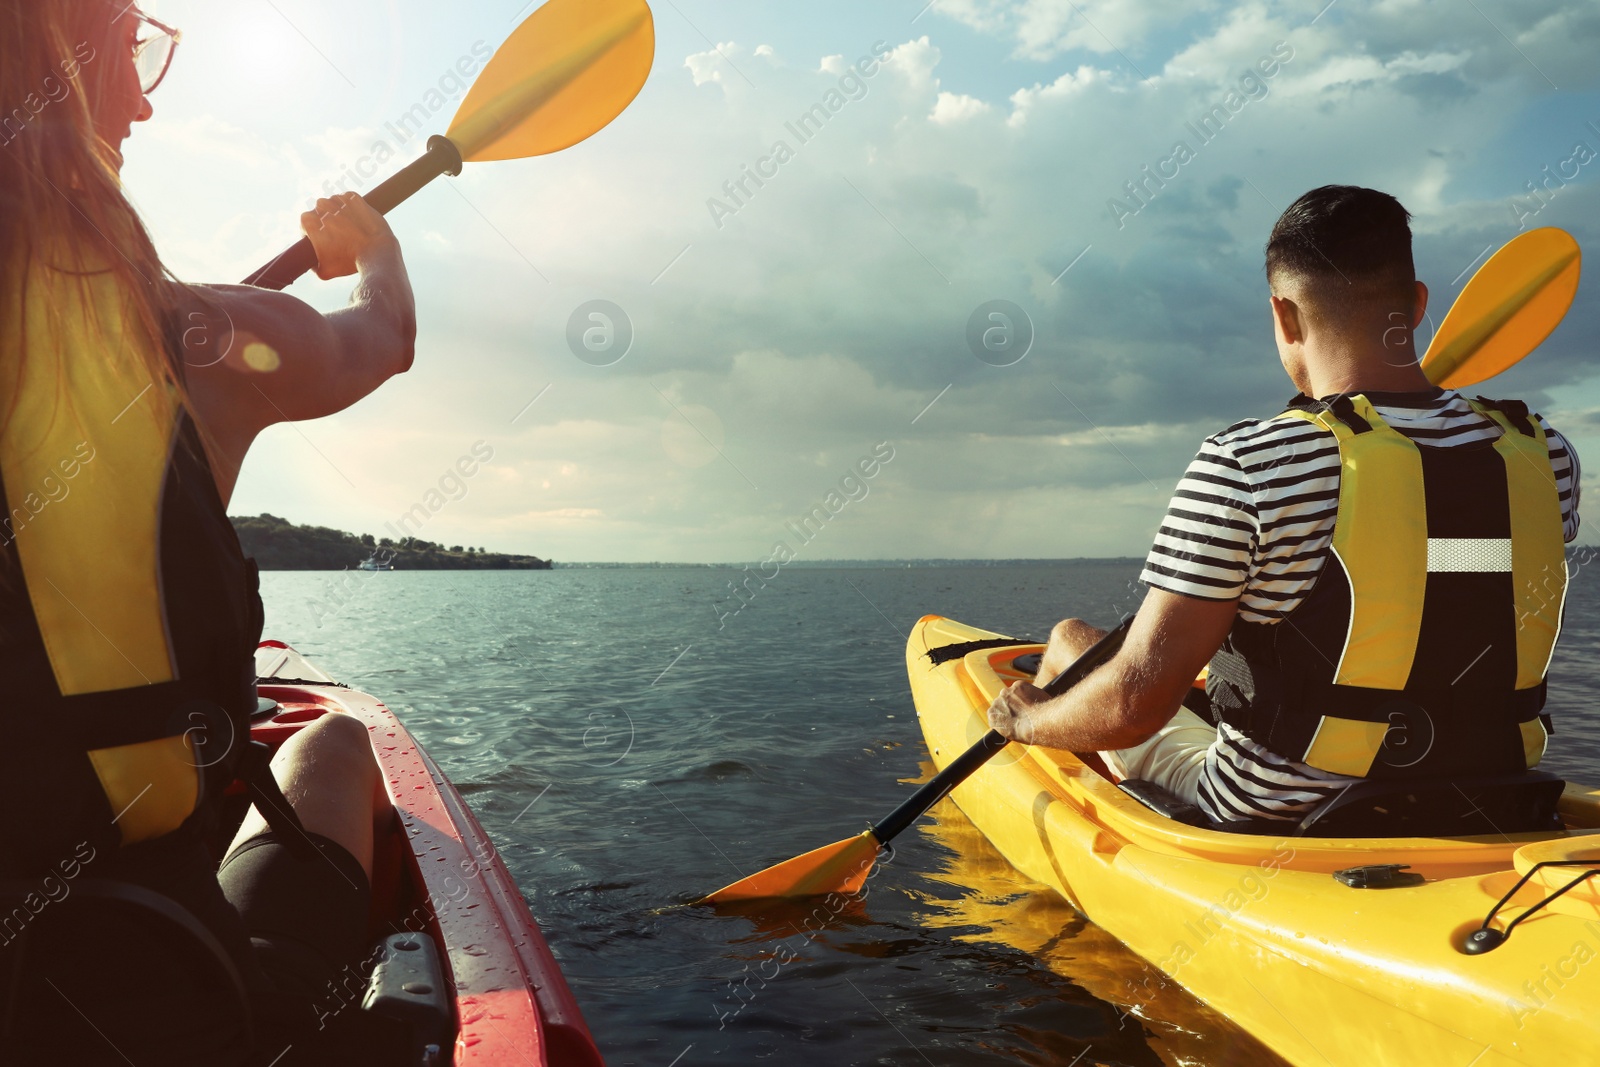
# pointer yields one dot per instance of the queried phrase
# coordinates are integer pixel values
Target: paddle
(843, 866)
(562, 76)
(1511, 304)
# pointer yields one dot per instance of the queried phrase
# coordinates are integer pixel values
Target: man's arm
(256, 357)
(1133, 695)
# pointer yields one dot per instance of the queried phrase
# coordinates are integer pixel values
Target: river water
(631, 743)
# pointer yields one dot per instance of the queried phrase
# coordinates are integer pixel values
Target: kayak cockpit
(1455, 807)
(1441, 829)
(399, 997)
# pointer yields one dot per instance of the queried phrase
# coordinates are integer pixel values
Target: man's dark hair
(1348, 248)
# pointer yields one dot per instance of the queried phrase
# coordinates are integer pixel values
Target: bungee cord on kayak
(1486, 938)
(945, 653)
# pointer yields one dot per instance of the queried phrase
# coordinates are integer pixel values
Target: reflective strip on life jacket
(1469, 555)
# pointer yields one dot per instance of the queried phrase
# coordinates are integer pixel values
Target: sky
(763, 347)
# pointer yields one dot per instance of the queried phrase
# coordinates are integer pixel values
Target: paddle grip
(962, 767)
(442, 157)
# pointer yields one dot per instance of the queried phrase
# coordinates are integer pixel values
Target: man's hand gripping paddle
(842, 867)
(1511, 304)
(560, 77)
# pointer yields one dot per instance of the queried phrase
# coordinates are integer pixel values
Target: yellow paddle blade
(1507, 309)
(841, 867)
(565, 73)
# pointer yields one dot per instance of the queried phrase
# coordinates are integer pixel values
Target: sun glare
(260, 45)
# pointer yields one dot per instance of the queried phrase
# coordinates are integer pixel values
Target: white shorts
(1173, 759)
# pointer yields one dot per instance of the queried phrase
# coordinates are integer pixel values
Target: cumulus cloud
(1044, 29)
(1023, 100)
(950, 108)
(713, 65)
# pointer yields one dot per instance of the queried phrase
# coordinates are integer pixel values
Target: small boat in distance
(373, 563)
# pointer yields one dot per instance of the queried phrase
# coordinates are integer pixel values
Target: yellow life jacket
(128, 614)
(1423, 645)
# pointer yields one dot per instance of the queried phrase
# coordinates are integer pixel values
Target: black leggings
(109, 991)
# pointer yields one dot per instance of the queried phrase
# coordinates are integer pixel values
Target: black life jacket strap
(1377, 705)
(256, 772)
(1515, 411)
(1340, 406)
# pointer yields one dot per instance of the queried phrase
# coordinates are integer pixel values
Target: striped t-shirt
(1252, 519)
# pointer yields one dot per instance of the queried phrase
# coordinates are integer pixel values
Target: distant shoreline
(279, 545)
(842, 564)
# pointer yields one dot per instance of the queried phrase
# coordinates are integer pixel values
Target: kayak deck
(438, 873)
(1256, 926)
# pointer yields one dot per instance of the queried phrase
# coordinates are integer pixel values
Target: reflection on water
(993, 903)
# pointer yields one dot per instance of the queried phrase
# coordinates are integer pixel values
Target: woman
(128, 615)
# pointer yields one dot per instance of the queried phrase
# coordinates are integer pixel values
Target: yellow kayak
(1257, 926)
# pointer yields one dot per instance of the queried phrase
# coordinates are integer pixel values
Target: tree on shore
(279, 545)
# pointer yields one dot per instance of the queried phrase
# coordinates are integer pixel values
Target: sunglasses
(153, 50)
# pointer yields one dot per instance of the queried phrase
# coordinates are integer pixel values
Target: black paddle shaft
(442, 157)
(962, 767)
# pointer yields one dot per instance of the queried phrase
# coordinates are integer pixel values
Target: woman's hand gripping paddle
(560, 77)
(1512, 304)
(842, 867)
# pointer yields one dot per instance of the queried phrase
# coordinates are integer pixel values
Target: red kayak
(502, 999)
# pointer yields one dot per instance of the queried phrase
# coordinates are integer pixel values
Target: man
(128, 614)
(1374, 576)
